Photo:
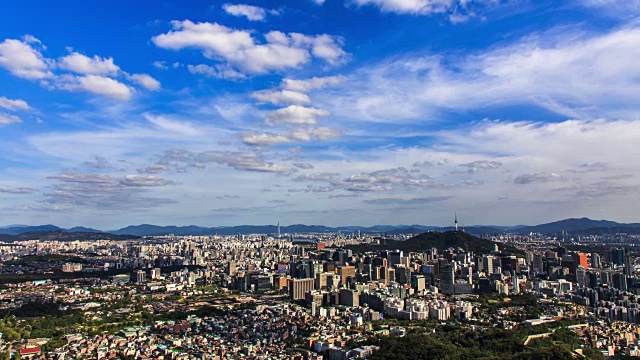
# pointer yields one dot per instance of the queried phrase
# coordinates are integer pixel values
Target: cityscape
(329, 295)
(320, 180)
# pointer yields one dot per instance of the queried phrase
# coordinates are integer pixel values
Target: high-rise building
(394, 258)
(538, 263)
(231, 268)
(628, 265)
(595, 261)
(418, 282)
(581, 276)
(349, 297)
(299, 287)
(580, 259)
(487, 264)
(140, 276)
(616, 256)
(447, 279)
(620, 281)
(155, 274)
(515, 282)
(347, 272)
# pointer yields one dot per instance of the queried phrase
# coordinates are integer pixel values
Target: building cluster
(306, 296)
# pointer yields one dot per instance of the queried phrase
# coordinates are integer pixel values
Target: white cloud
(160, 65)
(264, 139)
(318, 133)
(154, 169)
(622, 9)
(218, 71)
(304, 166)
(239, 49)
(295, 135)
(95, 74)
(173, 126)
(480, 165)
(146, 81)
(242, 161)
(95, 84)
(322, 176)
(10, 104)
(82, 64)
(23, 60)
(459, 9)
(144, 180)
(104, 192)
(8, 119)
(295, 115)
(312, 83)
(536, 178)
(253, 13)
(547, 70)
(281, 97)
(17, 190)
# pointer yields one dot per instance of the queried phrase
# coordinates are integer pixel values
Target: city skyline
(249, 112)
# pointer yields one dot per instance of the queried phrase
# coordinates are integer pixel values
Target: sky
(334, 112)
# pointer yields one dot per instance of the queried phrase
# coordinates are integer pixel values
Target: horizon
(303, 224)
(204, 112)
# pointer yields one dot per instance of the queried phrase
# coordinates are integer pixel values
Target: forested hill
(438, 240)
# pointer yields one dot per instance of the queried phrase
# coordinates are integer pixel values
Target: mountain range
(581, 226)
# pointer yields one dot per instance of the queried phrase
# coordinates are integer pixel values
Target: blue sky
(336, 112)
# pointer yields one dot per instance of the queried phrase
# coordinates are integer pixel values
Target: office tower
(620, 281)
(487, 264)
(395, 258)
(447, 279)
(628, 265)
(418, 282)
(231, 268)
(538, 264)
(140, 276)
(580, 259)
(516, 284)
(155, 274)
(595, 261)
(299, 287)
(616, 256)
(581, 276)
(349, 297)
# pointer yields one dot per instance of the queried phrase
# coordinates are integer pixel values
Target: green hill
(440, 241)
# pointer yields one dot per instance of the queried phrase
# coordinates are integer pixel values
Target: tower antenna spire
(456, 221)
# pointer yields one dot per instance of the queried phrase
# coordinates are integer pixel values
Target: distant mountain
(438, 240)
(83, 229)
(25, 229)
(573, 226)
(62, 235)
(154, 230)
(8, 238)
(583, 226)
(13, 225)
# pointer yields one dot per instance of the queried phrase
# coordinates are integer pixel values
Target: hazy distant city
(320, 180)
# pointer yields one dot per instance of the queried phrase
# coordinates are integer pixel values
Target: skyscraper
(140, 276)
(616, 256)
(447, 279)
